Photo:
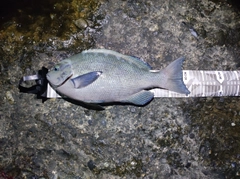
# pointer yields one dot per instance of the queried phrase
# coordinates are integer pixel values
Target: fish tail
(173, 77)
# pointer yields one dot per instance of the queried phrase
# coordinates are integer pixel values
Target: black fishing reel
(40, 88)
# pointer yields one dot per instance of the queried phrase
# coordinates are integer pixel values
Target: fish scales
(120, 72)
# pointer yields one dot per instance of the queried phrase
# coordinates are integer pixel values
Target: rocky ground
(168, 138)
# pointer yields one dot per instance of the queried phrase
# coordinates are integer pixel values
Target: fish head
(60, 73)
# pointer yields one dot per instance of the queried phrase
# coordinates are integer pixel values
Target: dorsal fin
(140, 62)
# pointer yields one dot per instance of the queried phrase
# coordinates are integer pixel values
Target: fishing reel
(41, 86)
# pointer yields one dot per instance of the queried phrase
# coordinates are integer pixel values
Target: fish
(105, 76)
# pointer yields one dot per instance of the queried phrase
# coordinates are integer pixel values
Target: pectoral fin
(86, 79)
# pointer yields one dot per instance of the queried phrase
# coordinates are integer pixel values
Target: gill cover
(60, 73)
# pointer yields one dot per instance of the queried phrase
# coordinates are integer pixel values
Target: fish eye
(56, 68)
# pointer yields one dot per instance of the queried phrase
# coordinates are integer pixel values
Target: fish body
(104, 76)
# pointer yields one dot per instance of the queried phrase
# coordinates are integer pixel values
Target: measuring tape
(206, 83)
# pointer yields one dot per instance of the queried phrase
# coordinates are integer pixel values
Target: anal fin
(140, 98)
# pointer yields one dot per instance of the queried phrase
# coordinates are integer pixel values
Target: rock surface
(169, 138)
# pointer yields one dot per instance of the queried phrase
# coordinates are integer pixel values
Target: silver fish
(104, 76)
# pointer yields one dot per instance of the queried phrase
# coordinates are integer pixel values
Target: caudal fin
(174, 77)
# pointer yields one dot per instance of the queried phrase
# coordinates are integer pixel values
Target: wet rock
(91, 165)
(81, 23)
(9, 97)
(169, 138)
